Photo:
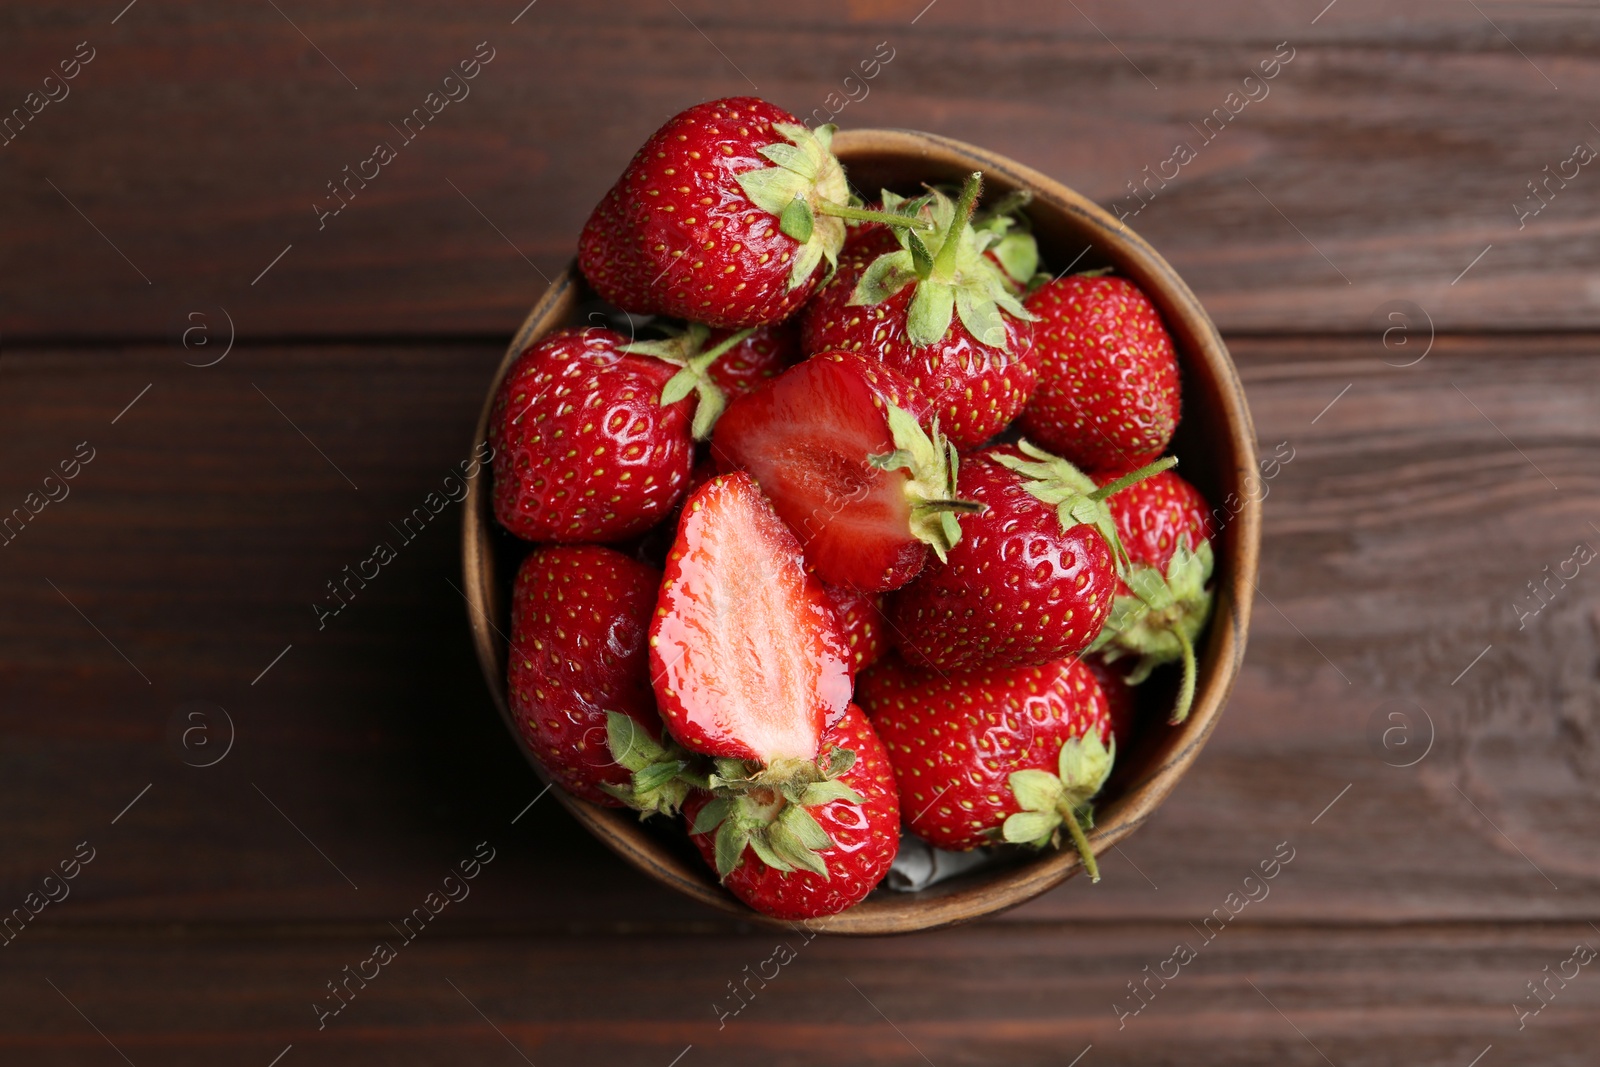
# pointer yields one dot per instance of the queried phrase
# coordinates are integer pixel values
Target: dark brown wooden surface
(1394, 143)
(1398, 542)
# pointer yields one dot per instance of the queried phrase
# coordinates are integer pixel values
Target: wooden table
(263, 799)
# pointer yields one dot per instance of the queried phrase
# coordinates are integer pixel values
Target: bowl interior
(1215, 445)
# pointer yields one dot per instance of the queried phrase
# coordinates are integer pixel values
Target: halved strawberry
(745, 653)
(811, 849)
(835, 443)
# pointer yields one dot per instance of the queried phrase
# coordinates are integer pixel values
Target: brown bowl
(1216, 447)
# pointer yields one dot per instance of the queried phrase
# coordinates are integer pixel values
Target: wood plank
(1022, 994)
(197, 539)
(1385, 158)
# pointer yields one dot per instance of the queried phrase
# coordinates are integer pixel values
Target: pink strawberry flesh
(746, 656)
(806, 437)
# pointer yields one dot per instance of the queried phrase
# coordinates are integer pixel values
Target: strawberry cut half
(837, 444)
(746, 656)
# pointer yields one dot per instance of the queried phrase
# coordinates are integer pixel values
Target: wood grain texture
(1384, 158)
(1396, 540)
(1258, 995)
(1414, 719)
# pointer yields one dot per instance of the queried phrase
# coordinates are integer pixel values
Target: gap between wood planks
(167, 930)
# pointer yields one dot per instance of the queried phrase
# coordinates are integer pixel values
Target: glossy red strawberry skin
(746, 655)
(758, 358)
(1121, 699)
(805, 437)
(1108, 396)
(974, 389)
(676, 235)
(579, 618)
(1154, 516)
(861, 621)
(1017, 589)
(583, 450)
(866, 837)
(954, 740)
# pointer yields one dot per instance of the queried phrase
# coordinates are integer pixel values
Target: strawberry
(718, 364)
(860, 618)
(835, 443)
(937, 308)
(1108, 394)
(584, 450)
(746, 657)
(809, 850)
(724, 216)
(994, 753)
(1165, 600)
(760, 356)
(1033, 577)
(579, 676)
(1120, 697)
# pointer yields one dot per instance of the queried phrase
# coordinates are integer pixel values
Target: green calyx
(662, 773)
(949, 268)
(1013, 244)
(1050, 802)
(682, 347)
(1074, 495)
(1162, 619)
(805, 180)
(767, 810)
(932, 463)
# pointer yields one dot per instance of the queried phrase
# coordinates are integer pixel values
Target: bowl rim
(969, 898)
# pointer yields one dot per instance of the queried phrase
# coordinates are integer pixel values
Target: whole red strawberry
(578, 662)
(746, 656)
(810, 850)
(937, 308)
(1164, 603)
(1033, 576)
(1120, 698)
(835, 442)
(761, 355)
(996, 753)
(718, 365)
(584, 450)
(860, 618)
(1108, 393)
(724, 216)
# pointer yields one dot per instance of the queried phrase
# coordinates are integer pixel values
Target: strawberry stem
(710, 355)
(1080, 840)
(841, 211)
(944, 263)
(1134, 477)
(1180, 711)
(1010, 204)
(950, 505)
